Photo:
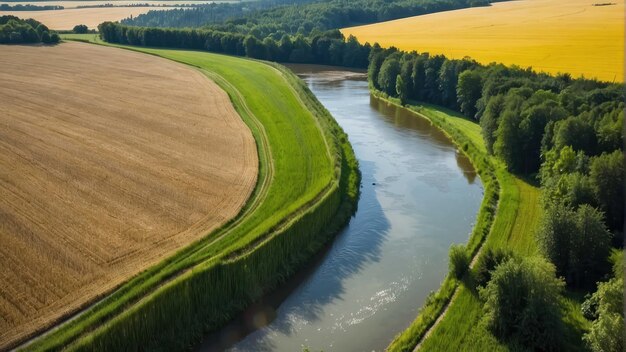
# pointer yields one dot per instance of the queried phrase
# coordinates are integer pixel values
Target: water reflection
(419, 195)
(405, 120)
(347, 256)
(303, 298)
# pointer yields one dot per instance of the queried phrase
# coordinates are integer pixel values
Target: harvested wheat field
(110, 160)
(573, 36)
(69, 4)
(91, 17)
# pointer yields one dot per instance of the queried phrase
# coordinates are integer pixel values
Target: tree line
(322, 48)
(565, 133)
(14, 30)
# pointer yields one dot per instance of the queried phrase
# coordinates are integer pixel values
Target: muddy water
(419, 195)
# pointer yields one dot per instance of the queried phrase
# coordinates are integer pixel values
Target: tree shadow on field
(303, 297)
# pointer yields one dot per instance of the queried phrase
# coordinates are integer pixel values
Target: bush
(576, 242)
(80, 29)
(488, 262)
(589, 308)
(45, 37)
(15, 37)
(14, 30)
(522, 303)
(607, 330)
(459, 261)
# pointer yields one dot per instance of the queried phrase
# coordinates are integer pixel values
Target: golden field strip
(68, 4)
(548, 35)
(91, 17)
(110, 161)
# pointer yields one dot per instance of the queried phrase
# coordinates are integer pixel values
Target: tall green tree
(522, 304)
(373, 70)
(607, 178)
(389, 71)
(509, 140)
(468, 91)
(607, 330)
(402, 89)
(576, 242)
(448, 84)
(432, 68)
(490, 119)
(558, 224)
(418, 76)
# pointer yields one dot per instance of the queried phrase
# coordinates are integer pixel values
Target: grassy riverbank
(451, 318)
(307, 189)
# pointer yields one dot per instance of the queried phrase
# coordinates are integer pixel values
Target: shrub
(522, 303)
(45, 37)
(80, 29)
(459, 261)
(576, 242)
(589, 308)
(488, 262)
(607, 330)
(15, 37)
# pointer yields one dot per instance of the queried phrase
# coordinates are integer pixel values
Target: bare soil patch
(110, 161)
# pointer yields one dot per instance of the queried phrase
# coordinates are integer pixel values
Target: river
(418, 196)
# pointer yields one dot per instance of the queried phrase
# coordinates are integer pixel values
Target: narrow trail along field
(91, 17)
(110, 161)
(554, 36)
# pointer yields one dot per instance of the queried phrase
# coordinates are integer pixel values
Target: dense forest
(205, 14)
(565, 133)
(14, 30)
(275, 18)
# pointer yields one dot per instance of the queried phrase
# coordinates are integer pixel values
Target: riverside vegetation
(566, 134)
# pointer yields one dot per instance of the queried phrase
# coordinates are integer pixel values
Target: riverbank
(379, 269)
(450, 320)
(308, 188)
(499, 196)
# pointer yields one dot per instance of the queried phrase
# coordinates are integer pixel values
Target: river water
(418, 196)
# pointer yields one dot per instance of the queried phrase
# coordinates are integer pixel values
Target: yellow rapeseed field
(581, 37)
